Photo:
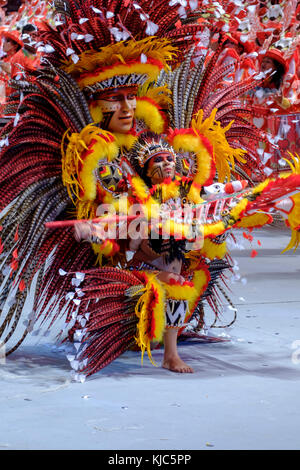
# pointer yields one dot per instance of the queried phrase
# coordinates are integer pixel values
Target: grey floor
(244, 393)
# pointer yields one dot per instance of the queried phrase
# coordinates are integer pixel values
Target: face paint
(120, 104)
(106, 119)
(161, 166)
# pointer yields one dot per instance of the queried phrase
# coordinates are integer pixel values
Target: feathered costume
(55, 156)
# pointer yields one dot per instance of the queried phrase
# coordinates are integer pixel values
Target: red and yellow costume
(55, 156)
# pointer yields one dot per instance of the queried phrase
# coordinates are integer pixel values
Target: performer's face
(9, 46)
(267, 64)
(118, 107)
(161, 166)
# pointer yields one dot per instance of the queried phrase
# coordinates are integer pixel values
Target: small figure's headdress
(147, 146)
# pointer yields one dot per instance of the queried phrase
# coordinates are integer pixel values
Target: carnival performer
(175, 277)
(11, 44)
(111, 71)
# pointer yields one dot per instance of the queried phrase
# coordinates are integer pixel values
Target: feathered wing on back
(33, 194)
(195, 90)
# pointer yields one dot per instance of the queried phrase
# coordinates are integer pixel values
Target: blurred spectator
(11, 5)
(27, 56)
(273, 62)
(11, 44)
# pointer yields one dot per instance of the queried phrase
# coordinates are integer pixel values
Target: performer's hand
(82, 231)
(167, 277)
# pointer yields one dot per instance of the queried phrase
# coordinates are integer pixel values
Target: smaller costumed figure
(173, 245)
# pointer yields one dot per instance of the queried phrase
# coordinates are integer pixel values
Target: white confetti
(281, 162)
(62, 272)
(96, 10)
(70, 357)
(243, 38)
(75, 58)
(69, 51)
(70, 295)
(48, 48)
(4, 142)
(251, 8)
(260, 151)
(182, 12)
(79, 378)
(183, 3)
(230, 307)
(151, 28)
(16, 120)
(74, 364)
(75, 282)
(79, 292)
(193, 4)
(88, 37)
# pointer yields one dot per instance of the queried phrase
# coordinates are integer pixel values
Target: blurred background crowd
(257, 36)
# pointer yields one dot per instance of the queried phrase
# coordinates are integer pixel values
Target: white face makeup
(161, 166)
(119, 105)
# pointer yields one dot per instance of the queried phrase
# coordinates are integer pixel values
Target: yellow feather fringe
(192, 143)
(123, 58)
(224, 155)
(147, 310)
(254, 220)
(77, 173)
(150, 114)
(213, 250)
(294, 242)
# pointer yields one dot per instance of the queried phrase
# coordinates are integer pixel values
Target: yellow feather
(150, 114)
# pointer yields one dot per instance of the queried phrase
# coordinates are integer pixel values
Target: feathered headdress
(147, 146)
(114, 43)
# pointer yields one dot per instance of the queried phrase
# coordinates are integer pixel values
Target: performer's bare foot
(171, 360)
(175, 364)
